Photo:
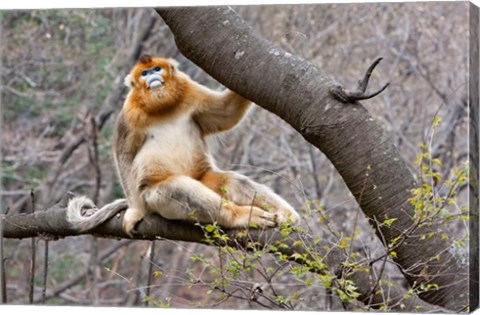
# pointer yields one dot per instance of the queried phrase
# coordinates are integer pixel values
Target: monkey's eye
(157, 69)
(144, 73)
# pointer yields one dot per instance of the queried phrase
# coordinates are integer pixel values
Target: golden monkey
(163, 160)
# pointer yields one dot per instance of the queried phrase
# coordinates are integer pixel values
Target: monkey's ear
(173, 64)
(128, 81)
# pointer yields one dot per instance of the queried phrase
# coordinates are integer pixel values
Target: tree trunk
(221, 43)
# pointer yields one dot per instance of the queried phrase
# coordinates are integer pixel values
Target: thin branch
(45, 272)
(3, 280)
(32, 259)
(150, 271)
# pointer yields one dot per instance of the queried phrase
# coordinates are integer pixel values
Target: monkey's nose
(154, 84)
(154, 81)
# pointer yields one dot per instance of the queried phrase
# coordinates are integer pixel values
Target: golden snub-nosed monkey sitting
(163, 160)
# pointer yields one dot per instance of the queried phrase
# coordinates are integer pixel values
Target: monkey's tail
(83, 214)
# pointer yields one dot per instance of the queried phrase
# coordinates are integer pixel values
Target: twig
(382, 269)
(91, 274)
(314, 172)
(3, 280)
(150, 270)
(93, 155)
(139, 294)
(32, 259)
(45, 272)
(92, 134)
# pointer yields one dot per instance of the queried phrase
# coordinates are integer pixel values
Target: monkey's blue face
(153, 77)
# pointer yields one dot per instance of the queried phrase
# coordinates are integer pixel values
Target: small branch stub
(346, 96)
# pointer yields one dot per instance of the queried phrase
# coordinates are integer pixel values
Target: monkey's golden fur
(163, 160)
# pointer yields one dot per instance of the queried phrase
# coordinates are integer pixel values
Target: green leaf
(388, 222)
(437, 161)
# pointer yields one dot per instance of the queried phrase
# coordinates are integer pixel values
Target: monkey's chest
(174, 147)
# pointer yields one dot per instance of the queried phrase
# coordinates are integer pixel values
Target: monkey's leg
(184, 198)
(244, 191)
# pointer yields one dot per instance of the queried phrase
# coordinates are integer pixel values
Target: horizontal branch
(52, 224)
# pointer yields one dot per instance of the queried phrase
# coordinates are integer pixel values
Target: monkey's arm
(126, 144)
(219, 111)
(82, 212)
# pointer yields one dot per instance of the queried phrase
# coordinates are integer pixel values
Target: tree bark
(221, 43)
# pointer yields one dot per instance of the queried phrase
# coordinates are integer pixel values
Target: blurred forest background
(62, 86)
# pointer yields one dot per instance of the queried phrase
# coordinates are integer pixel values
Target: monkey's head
(151, 74)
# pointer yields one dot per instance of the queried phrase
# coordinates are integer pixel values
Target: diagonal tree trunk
(220, 42)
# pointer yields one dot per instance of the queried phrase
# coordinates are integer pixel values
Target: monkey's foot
(290, 216)
(131, 218)
(244, 216)
(346, 96)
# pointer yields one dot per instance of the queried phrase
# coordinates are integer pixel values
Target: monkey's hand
(346, 96)
(131, 219)
(288, 216)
